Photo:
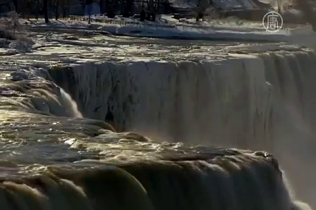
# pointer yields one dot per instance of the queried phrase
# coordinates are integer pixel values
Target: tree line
(61, 8)
(42, 8)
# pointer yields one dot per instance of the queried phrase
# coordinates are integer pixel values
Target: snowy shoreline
(253, 31)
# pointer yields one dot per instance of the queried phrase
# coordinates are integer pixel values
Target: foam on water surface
(54, 157)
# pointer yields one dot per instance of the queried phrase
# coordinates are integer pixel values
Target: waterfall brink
(224, 182)
(259, 101)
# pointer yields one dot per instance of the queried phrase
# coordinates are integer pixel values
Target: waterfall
(54, 157)
(261, 101)
(69, 104)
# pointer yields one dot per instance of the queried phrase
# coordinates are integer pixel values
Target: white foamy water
(69, 104)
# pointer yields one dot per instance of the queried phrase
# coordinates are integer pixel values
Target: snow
(230, 29)
(224, 4)
(167, 27)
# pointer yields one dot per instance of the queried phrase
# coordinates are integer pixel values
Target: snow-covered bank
(216, 30)
(196, 33)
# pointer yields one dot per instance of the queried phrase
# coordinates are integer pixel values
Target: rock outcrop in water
(52, 158)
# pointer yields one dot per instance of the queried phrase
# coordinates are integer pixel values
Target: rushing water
(53, 158)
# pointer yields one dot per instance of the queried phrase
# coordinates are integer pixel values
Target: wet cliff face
(254, 102)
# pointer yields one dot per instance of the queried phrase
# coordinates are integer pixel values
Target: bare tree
(56, 9)
(11, 24)
(202, 6)
(45, 10)
(102, 4)
(65, 7)
(307, 8)
(15, 2)
(279, 5)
